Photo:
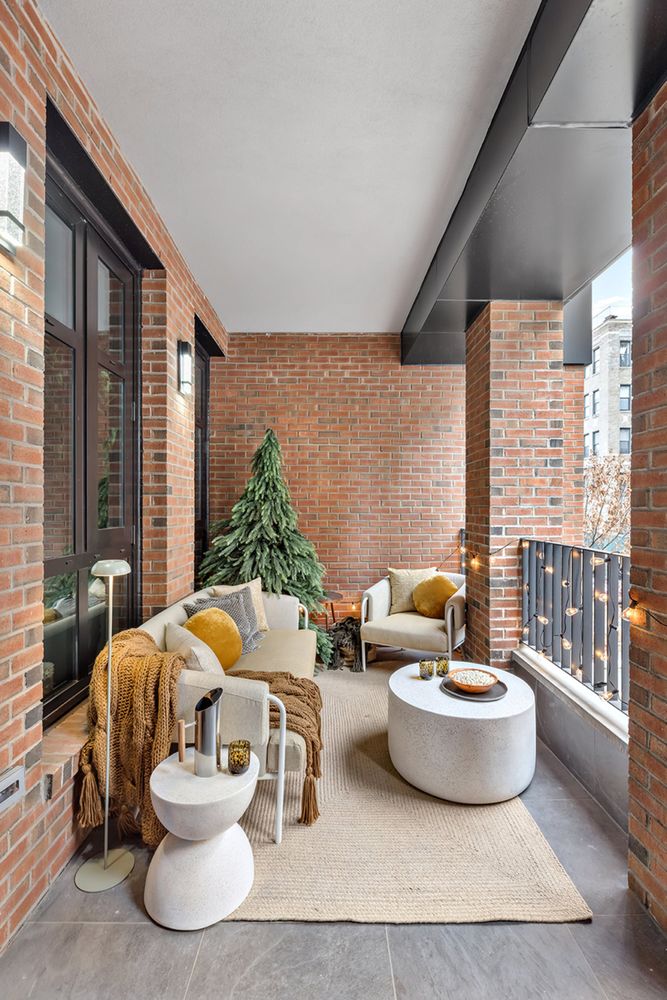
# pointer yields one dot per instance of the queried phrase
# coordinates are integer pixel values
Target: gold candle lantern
(426, 669)
(238, 756)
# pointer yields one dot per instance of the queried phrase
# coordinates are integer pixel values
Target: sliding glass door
(89, 447)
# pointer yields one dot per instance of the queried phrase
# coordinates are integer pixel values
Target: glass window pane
(110, 312)
(199, 468)
(60, 631)
(58, 448)
(59, 269)
(110, 450)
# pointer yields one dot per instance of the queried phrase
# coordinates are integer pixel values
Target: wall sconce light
(184, 367)
(12, 185)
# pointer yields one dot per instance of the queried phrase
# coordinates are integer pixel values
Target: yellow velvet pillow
(219, 631)
(430, 596)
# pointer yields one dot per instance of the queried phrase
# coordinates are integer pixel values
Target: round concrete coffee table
(203, 869)
(464, 751)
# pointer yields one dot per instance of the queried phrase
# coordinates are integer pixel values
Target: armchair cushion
(408, 630)
(431, 595)
(402, 583)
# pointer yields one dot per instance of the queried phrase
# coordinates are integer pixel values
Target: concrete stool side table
(473, 752)
(203, 869)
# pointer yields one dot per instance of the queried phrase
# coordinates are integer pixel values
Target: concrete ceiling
(306, 156)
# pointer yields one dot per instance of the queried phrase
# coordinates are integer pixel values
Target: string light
(566, 643)
(571, 612)
(542, 620)
(634, 614)
(602, 598)
(599, 560)
(548, 569)
(565, 583)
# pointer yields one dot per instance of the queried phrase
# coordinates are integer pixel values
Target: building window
(587, 445)
(625, 398)
(587, 406)
(595, 447)
(624, 440)
(596, 360)
(625, 354)
(596, 402)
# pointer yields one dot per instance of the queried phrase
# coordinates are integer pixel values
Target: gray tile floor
(105, 947)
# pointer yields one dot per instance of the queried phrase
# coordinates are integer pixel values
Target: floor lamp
(100, 873)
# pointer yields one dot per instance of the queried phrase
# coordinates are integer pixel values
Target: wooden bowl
(473, 688)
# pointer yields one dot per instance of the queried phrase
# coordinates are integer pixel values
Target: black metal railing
(573, 604)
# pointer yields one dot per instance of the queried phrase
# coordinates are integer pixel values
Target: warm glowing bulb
(548, 569)
(571, 612)
(575, 554)
(566, 644)
(602, 598)
(525, 544)
(540, 555)
(565, 583)
(597, 561)
(601, 656)
(526, 629)
(542, 620)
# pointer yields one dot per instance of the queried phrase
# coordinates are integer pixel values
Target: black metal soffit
(66, 148)
(547, 205)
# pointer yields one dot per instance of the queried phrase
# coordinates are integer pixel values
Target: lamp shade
(111, 567)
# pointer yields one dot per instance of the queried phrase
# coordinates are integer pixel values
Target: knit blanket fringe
(303, 704)
(143, 715)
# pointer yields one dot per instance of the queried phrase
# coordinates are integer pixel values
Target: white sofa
(246, 703)
(409, 629)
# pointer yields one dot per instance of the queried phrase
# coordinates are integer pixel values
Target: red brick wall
(514, 460)
(648, 643)
(374, 452)
(37, 835)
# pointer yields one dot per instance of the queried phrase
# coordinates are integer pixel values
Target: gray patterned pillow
(238, 605)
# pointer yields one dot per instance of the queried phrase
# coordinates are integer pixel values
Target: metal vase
(207, 733)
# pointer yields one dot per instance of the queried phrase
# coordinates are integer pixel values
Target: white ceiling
(306, 155)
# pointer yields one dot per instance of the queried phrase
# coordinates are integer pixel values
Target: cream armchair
(408, 629)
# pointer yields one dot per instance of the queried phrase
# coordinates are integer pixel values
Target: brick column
(515, 415)
(648, 642)
(167, 448)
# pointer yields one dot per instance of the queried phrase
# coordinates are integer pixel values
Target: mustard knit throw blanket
(143, 714)
(303, 704)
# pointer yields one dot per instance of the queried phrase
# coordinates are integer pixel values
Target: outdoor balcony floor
(104, 946)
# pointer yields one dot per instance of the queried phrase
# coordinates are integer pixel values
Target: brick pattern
(37, 835)
(514, 460)
(373, 452)
(648, 642)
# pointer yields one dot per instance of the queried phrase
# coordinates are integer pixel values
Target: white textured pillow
(256, 594)
(197, 655)
(402, 583)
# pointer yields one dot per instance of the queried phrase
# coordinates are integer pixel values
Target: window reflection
(60, 631)
(110, 450)
(58, 448)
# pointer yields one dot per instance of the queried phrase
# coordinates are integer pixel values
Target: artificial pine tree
(261, 538)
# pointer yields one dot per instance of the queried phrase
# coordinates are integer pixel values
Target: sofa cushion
(282, 649)
(403, 582)
(238, 605)
(408, 630)
(197, 655)
(295, 752)
(255, 592)
(219, 631)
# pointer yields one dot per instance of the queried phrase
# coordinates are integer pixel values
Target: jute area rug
(384, 852)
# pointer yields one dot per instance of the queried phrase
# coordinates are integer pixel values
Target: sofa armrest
(282, 610)
(376, 601)
(245, 707)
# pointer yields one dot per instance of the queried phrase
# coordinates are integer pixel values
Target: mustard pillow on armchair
(219, 631)
(431, 595)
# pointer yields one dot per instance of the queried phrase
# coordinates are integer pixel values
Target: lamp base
(92, 876)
